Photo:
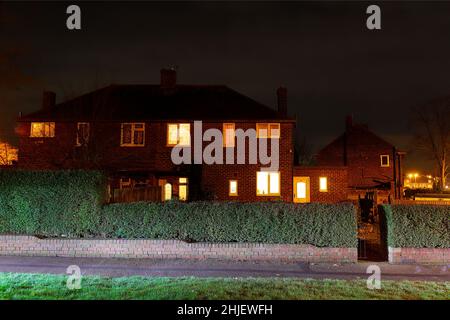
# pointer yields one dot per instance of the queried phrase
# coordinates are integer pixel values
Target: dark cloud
(331, 64)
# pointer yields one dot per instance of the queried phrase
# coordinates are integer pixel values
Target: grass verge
(44, 286)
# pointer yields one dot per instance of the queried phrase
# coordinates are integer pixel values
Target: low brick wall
(419, 255)
(171, 249)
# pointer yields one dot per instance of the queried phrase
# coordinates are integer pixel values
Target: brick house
(372, 163)
(129, 131)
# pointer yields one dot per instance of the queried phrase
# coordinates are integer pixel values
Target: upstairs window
(132, 135)
(82, 133)
(42, 130)
(267, 183)
(268, 130)
(384, 158)
(179, 134)
(228, 134)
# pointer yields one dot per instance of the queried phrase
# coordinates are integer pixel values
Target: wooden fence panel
(150, 194)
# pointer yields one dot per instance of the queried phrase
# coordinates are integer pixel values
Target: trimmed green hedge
(323, 225)
(417, 226)
(51, 202)
(69, 203)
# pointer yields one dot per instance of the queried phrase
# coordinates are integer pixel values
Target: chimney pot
(48, 100)
(168, 78)
(282, 101)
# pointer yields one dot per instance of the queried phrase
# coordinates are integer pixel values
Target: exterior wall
(337, 183)
(215, 178)
(419, 255)
(171, 249)
(154, 158)
(359, 150)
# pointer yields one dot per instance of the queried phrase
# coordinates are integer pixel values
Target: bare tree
(431, 124)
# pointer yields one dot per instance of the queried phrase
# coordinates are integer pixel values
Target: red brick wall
(60, 153)
(337, 183)
(419, 255)
(359, 150)
(172, 249)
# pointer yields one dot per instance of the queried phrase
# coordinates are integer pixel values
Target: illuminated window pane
(262, 130)
(274, 182)
(229, 134)
(42, 130)
(167, 191)
(172, 134)
(274, 130)
(233, 188)
(182, 193)
(262, 183)
(323, 184)
(185, 134)
(301, 190)
(183, 180)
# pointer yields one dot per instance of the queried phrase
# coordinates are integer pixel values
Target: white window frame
(133, 130)
(269, 133)
(78, 131)
(178, 134)
(388, 161)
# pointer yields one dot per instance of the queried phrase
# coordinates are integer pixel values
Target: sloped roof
(151, 102)
(357, 135)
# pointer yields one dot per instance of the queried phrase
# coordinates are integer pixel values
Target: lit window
(301, 190)
(267, 183)
(42, 130)
(228, 134)
(182, 193)
(82, 133)
(179, 134)
(182, 189)
(182, 180)
(132, 134)
(323, 184)
(384, 160)
(167, 192)
(233, 188)
(268, 130)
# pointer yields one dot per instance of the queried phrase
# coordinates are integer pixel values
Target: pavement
(119, 267)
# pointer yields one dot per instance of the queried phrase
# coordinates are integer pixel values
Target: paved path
(177, 268)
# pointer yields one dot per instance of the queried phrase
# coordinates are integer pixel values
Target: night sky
(323, 53)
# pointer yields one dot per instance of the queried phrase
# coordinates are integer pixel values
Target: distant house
(373, 164)
(129, 131)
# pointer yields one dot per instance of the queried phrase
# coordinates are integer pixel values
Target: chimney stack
(48, 100)
(282, 101)
(349, 122)
(168, 78)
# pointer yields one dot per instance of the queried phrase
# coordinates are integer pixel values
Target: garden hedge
(51, 202)
(70, 203)
(417, 226)
(323, 225)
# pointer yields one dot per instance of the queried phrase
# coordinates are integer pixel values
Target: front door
(301, 190)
